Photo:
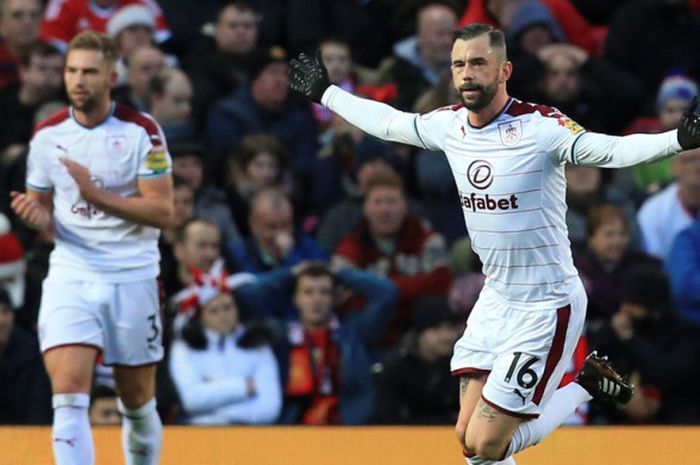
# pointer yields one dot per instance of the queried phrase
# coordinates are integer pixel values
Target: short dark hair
(181, 232)
(313, 270)
(242, 6)
(497, 40)
(253, 144)
(38, 48)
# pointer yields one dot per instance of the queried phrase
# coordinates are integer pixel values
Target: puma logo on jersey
(480, 202)
(520, 394)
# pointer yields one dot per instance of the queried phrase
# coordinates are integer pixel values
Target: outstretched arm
(618, 152)
(309, 77)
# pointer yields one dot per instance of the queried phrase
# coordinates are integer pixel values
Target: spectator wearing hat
(403, 248)
(224, 372)
(19, 29)
(66, 18)
(415, 385)
(674, 95)
(209, 201)
(12, 264)
(657, 348)
(25, 391)
(264, 105)
(683, 268)
(133, 26)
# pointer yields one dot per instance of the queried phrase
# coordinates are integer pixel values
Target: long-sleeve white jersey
(511, 182)
(90, 243)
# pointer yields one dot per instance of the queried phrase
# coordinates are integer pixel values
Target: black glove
(309, 76)
(689, 127)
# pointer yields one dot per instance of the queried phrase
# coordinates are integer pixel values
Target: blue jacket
(683, 268)
(233, 117)
(355, 335)
(247, 256)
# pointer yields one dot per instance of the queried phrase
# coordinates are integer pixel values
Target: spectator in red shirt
(64, 19)
(391, 243)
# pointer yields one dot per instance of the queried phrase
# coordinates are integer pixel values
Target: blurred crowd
(316, 275)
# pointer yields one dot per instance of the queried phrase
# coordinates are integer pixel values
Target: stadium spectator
(669, 211)
(171, 105)
(419, 61)
(225, 373)
(415, 385)
(103, 406)
(220, 64)
(325, 363)
(197, 250)
(142, 65)
(674, 95)
(259, 162)
(658, 348)
(603, 264)
(210, 202)
(337, 57)
(12, 263)
(585, 188)
(25, 392)
(63, 19)
(19, 28)
(264, 105)
(389, 242)
(274, 241)
(532, 28)
(666, 24)
(683, 268)
(589, 90)
(40, 81)
(502, 13)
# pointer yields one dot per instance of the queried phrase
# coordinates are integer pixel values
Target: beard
(88, 105)
(483, 98)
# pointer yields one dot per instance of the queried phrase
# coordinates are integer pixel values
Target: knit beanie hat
(12, 263)
(676, 86)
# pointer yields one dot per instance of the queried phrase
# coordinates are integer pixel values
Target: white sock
(142, 433)
(561, 406)
(72, 438)
(476, 460)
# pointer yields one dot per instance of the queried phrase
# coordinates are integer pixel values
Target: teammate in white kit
(100, 174)
(507, 159)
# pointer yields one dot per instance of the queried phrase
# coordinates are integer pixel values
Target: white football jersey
(92, 244)
(510, 176)
(511, 183)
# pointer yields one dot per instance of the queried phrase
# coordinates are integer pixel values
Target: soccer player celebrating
(100, 173)
(508, 157)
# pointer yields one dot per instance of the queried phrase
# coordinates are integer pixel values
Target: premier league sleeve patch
(573, 127)
(157, 160)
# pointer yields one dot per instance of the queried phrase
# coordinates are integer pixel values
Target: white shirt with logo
(511, 182)
(92, 244)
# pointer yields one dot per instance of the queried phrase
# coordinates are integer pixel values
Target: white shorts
(524, 352)
(122, 320)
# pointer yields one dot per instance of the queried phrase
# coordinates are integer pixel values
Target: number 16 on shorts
(521, 374)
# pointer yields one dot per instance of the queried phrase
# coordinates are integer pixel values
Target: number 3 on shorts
(154, 328)
(526, 376)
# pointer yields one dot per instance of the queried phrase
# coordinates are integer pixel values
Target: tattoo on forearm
(463, 383)
(486, 412)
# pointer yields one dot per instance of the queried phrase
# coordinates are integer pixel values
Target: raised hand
(689, 127)
(309, 76)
